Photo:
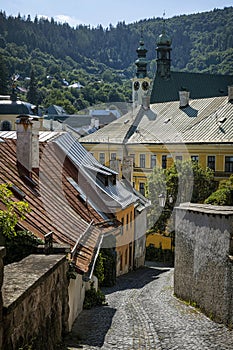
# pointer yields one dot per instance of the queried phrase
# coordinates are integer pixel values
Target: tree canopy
(183, 182)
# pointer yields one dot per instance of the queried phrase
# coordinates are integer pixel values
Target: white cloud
(73, 22)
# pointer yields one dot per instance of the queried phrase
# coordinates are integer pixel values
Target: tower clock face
(136, 85)
(145, 85)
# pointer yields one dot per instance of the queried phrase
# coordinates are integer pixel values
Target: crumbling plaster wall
(203, 262)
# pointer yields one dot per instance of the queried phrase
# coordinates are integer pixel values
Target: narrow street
(142, 313)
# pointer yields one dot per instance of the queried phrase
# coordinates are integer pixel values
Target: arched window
(6, 125)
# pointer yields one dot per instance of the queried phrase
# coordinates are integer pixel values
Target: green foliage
(4, 89)
(20, 246)
(184, 182)
(93, 298)
(13, 211)
(223, 195)
(109, 265)
(32, 94)
(99, 268)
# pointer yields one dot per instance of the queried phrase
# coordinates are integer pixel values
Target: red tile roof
(55, 204)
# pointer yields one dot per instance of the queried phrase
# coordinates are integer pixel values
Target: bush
(223, 195)
(220, 197)
(93, 298)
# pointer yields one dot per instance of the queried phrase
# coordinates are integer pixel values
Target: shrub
(93, 298)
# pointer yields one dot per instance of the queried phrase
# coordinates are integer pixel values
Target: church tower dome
(141, 61)
(163, 59)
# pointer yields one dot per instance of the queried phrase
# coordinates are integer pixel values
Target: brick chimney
(184, 98)
(28, 144)
(230, 93)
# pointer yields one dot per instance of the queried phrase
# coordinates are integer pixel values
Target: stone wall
(35, 302)
(203, 259)
(2, 254)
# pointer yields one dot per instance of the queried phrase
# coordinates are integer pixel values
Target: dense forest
(55, 55)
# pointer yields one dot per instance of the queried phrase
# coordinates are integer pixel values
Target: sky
(105, 12)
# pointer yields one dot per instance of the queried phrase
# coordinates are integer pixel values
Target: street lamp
(162, 199)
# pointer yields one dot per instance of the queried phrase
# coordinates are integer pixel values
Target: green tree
(13, 212)
(32, 94)
(223, 195)
(182, 182)
(3, 76)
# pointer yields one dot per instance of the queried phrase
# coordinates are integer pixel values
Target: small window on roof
(17, 192)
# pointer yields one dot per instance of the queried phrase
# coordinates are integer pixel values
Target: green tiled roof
(200, 86)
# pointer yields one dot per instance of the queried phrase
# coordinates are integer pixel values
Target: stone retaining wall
(35, 302)
(203, 259)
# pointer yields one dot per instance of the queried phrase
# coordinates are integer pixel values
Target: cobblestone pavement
(143, 314)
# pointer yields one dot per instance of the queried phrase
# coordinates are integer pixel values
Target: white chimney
(27, 144)
(184, 98)
(97, 123)
(92, 122)
(230, 93)
(35, 144)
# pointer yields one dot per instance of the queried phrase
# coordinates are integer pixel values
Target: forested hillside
(102, 60)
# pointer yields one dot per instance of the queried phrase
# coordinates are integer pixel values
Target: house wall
(203, 259)
(125, 241)
(76, 298)
(159, 240)
(140, 228)
(35, 302)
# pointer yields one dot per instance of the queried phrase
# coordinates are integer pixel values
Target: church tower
(163, 55)
(141, 83)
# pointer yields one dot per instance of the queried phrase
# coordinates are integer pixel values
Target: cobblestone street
(142, 313)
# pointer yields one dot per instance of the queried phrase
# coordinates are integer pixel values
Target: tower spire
(163, 53)
(141, 61)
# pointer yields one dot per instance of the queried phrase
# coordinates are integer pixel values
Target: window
(127, 221)
(142, 188)
(126, 256)
(153, 161)
(211, 162)
(229, 164)
(131, 219)
(194, 158)
(113, 156)
(133, 157)
(102, 158)
(142, 161)
(122, 222)
(121, 262)
(164, 162)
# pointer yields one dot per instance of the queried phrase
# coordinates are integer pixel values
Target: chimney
(97, 123)
(184, 98)
(27, 145)
(230, 93)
